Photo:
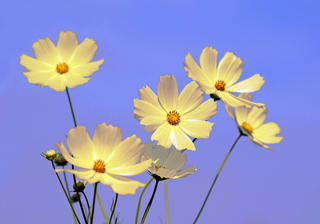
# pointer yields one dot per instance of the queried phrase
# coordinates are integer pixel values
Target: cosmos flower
(221, 79)
(166, 165)
(65, 65)
(106, 158)
(250, 122)
(173, 117)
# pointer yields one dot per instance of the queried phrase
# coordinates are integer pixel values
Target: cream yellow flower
(221, 79)
(106, 158)
(166, 164)
(250, 122)
(173, 117)
(65, 65)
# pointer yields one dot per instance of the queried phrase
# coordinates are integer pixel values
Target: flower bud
(60, 160)
(50, 155)
(80, 186)
(74, 198)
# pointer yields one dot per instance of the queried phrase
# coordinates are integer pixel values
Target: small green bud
(50, 155)
(60, 160)
(74, 198)
(80, 186)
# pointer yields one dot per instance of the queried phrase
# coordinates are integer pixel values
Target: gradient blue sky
(141, 41)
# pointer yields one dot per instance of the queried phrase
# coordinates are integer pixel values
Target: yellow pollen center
(220, 85)
(99, 166)
(246, 126)
(158, 167)
(173, 117)
(62, 68)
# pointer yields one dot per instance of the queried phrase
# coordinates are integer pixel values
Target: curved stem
(64, 190)
(72, 166)
(85, 196)
(94, 200)
(114, 208)
(215, 179)
(66, 182)
(138, 208)
(167, 201)
(102, 209)
(150, 202)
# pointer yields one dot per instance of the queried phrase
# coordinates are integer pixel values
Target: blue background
(141, 41)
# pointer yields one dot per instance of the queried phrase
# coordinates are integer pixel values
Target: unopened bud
(50, 155)
(80, 186)
(60, 160)
(74, 198)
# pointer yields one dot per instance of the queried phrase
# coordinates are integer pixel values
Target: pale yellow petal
(165, 173)
(249, 85)
(84, 52)
(153, 123)
(146, 94)
(72, 80)
(266, 130)
(190, 98)
(39, 78)
(131, 170)
(162, 135)
(208, 63)
(176, 160)
(144, 109)
(56, 82)
(241, 114)
(230, 68)
(203, 112)
(66, 45)
(168, 92)
(257, 116)
(185, 172)
(83, 174)
(160, 154)
(180, 140)
(229, 111)
(46, 51)
(32, 64)
(196, 128)
(235, 101)
(87, 69)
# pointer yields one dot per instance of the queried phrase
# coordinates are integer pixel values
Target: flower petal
(105, 139)
(152, 123)
(121, 185)
(165, 173)
(267, 133)
(168, 92)
(242, 114)
(208, 63)
(161, 154)
(72, 81)
(87, 69)
(84, 52)
(77, 162)
(162, 135)
(249, 85)
(39, 78)
(230, 68)
(131, 170)
(259, 143)
(46, 51)
(32, 64)
(257, 116)
(80, 144)
(180, 140)
(204, 111)
(176, 160)
(230, 111)
(196, 128)
(66, 45)
(144, 109)
(197, 74)
(190, 98)
(127, 153)
(83, 174)
(56, 82)
(235, 101)
(185, 172)
(148, 95)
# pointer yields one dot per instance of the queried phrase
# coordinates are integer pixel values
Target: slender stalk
(72, 166)
(66, 182)
(102, 209)
(114, 208)
(85, 196)
(215, 179)
(94, 200)
(138, 208)
(64, 190)
(150, 202)
(186, 149)
(167, 201)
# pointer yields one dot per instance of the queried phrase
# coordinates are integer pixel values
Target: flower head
(166, 164)
(221, 79)
(106, 158)
(173, 117)
(50, 154)
(250, 122)
(65, 65)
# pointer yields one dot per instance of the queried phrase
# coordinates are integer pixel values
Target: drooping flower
(166, 164)
(250, 122)
(173, 117)
(221, 79)
(106, 158)
(65, 65)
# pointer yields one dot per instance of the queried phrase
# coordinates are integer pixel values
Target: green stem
(167, 201)
(215, 179)
(64, 190)
(66, 182)
(138, 208)
(85, 196)
(114, 207)
(149, 204)
(94, 200)
(72, 166)
(102, 209)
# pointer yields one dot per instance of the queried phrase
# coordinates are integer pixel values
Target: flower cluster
(171, 117)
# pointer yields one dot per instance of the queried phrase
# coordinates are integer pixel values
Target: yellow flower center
(246, 126)
(220, 85)
(62, 68)
(173, 117)
(158, 167)
(99, 166)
